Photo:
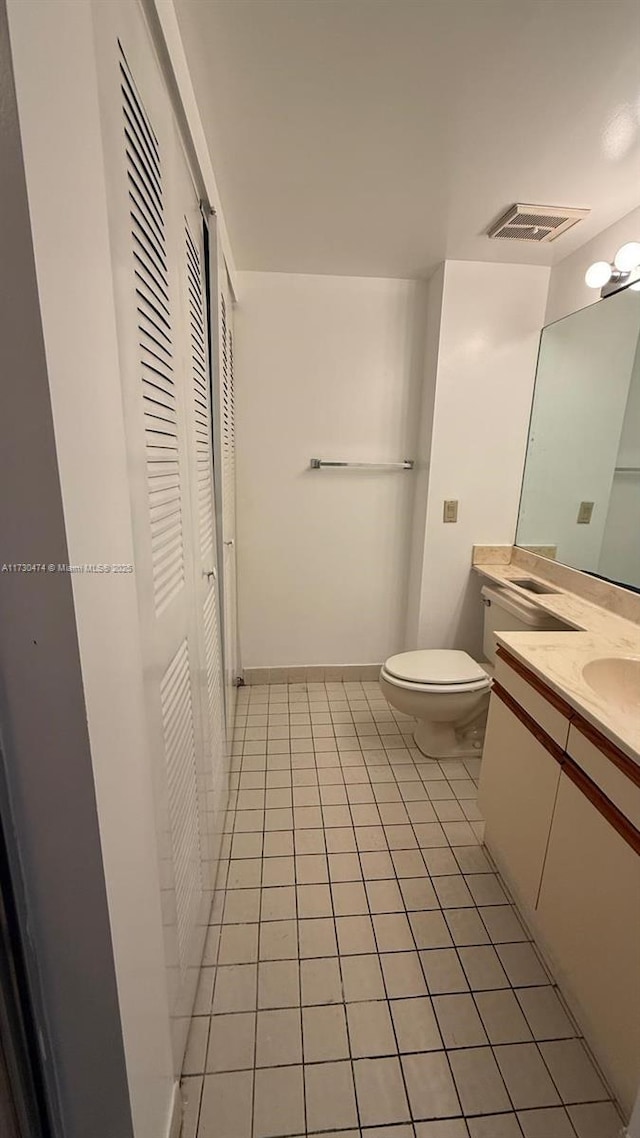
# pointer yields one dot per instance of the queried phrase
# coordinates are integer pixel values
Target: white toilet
(446, 690)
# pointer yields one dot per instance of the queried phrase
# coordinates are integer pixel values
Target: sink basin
(616, 679)
(532, 586)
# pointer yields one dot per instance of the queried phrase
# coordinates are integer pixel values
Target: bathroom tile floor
(365, 972)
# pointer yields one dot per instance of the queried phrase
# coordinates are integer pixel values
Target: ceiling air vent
(535, 222)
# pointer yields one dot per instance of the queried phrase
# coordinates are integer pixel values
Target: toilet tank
(505, 612)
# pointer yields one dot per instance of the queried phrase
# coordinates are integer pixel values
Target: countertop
(558, 658)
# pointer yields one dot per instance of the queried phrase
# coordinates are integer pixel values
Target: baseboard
(312, 674)
(174, 1125)
(633, 1128)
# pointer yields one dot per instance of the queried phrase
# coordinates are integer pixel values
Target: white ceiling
(377, 137)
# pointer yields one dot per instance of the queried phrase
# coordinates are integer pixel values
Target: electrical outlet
(585, 512)
(450, 511)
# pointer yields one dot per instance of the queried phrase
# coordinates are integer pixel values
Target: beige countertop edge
(557, 658)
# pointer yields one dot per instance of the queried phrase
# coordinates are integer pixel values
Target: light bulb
(628, 257)
(598, 274)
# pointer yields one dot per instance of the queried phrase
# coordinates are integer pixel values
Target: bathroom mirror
(580, 500)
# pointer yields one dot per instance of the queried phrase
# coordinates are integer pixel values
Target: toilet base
(441, 741)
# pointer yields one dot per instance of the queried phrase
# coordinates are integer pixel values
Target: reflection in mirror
(580, 499)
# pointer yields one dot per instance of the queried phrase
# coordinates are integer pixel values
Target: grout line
(344, 1002)
(384, 981)
(418, 951)
(301, 1016)
(384, 1055)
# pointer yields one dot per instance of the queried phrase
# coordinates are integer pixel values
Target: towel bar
(320, 463)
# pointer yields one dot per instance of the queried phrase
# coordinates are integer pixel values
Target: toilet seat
(437, 689)
(437, 670)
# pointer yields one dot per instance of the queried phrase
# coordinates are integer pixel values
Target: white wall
(47, 795)
(486, 358)
(567, 290)
(327, 367)
(584, 372)
(53, 51)
(417, 548)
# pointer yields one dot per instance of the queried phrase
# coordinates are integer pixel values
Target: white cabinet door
(157, 264)
(589, 917)
(518, 786)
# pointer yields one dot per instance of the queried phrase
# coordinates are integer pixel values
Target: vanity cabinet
(519, 783)
(563, 825)
(617, 776)
(521, 767)
(588, 917)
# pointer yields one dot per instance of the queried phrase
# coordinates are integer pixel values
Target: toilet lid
(435, 666)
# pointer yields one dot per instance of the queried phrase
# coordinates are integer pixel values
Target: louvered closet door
(157, 257)
(227, 423)
(202, 483)
(154, 376)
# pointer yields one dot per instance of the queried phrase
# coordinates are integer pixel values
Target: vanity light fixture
(627, 257)
(598, 274)
(623, 273)
(627, 260)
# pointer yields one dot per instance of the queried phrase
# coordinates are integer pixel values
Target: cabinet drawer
(589, 918)
(544, 706)
(617, 776)
(518, 786)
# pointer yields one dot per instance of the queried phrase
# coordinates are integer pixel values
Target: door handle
(210, 574)
(230, 542)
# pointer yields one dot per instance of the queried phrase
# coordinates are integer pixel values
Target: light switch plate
(450, 511)
(585, 512)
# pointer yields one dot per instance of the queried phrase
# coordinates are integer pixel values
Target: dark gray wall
(48, 779)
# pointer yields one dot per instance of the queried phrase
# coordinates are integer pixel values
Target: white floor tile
(551, 1122)
(597, 1120)
(502, 1017)
(478, 1081)
(380, 1092)
(495, 1126)
(573, 1072)
(279, 1102)
(449, 1128)
(526, 1076)
(545, 1013)
(226, 1110)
